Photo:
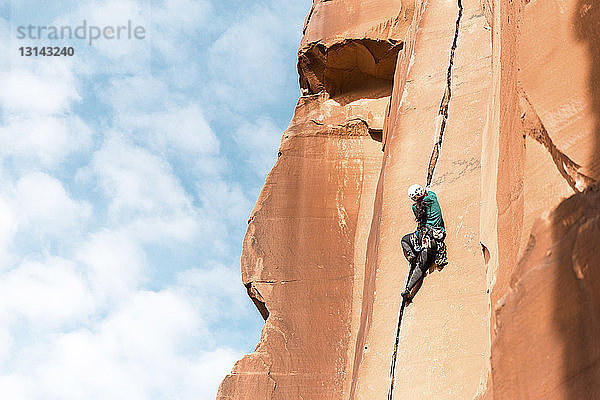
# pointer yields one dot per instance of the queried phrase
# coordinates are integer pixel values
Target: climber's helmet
(416, 192)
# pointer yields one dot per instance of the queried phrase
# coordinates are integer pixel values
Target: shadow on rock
(576, 236)
(576, 232)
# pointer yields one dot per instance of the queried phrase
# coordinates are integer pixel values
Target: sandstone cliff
(496, 104)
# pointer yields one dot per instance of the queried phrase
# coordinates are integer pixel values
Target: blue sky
(127, 176)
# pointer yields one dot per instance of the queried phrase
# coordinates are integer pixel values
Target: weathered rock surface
(547, 333)
(498, 102)
(543, 307)
(352, 44)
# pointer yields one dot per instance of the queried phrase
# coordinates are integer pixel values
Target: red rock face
(544, 307)
(304, 250)
(497, 103)
(548, 322)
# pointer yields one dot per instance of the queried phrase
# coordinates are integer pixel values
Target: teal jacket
(434, 211)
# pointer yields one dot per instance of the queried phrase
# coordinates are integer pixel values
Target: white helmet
(415, 192)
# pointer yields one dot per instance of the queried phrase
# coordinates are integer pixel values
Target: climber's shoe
(406, 295)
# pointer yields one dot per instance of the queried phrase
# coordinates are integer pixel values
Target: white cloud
(152, 325)
(168, 13)
(139, 93)
(178, 129)
(179, 227)
(260, 140)
(5, 46)
(9, 223)
(225, 200)
(45, 205)
(38, 128)
(160, 179)
(124, 53)
(47, 295)
(37, 92)
(251, 60)
(16, 387)
(146, 345)
(174, 32)
(115, 265)
(147, 349)
(217, 289)
(44, 140)
(84, 365)
(160, 118)
(209, 370)
(38, 207)
(137, 182)
(166, 31)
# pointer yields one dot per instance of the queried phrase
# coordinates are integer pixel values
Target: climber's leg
(426, 257)
(415, 277)
(424, 260)
(409, 252)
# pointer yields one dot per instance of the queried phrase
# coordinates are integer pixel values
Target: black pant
(420, 261)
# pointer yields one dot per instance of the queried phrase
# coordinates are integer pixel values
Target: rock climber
(426, 244)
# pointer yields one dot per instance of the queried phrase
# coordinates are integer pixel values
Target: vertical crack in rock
(395, 353)
(443, 112)
(534, 128)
